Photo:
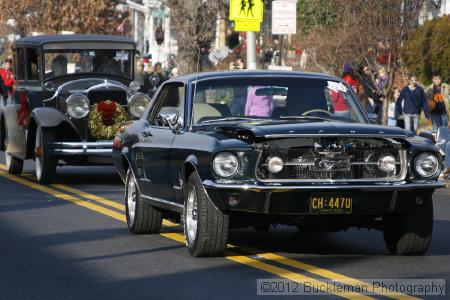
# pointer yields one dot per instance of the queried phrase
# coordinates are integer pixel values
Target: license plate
(330, 204)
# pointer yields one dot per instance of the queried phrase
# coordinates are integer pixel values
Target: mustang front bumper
(368, 199)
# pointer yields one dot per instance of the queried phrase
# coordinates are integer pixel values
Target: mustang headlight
(426, 165)
(387, 163)
(137, 104)
(226, 164)
(274, 164)
(77, 106)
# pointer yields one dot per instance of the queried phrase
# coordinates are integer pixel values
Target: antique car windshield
(108, 62)
(275, 98)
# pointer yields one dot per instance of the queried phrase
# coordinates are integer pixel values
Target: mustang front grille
(329, 160)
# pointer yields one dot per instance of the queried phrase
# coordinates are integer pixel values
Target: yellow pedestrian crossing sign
(246, 10)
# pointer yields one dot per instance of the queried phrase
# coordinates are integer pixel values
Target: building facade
(150, 23)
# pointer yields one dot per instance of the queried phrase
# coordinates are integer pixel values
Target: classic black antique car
(254, 148)
(73, 93)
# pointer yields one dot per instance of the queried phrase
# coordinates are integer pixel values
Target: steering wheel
(316, 111)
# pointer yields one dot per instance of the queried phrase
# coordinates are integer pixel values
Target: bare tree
(53, 16)
(194, 21)
(365, 32)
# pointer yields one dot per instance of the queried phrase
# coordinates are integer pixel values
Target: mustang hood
(285, 129)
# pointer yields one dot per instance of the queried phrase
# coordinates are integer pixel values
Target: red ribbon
(107, 109)
(23, 114)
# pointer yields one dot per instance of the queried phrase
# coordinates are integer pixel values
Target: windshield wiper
(227, 119)
(306, 118)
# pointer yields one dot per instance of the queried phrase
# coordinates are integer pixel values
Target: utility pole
(251, 50)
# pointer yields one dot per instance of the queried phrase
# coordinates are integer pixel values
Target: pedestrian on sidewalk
(7, 77)
(392, 115)
(438, 102)
(414, 102)
(140, 73)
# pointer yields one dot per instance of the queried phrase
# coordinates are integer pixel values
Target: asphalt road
(70, 241)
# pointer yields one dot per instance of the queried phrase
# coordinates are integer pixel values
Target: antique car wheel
(141, 216)
(205, 227)
(13, 165)
(409, 233)
(45, 164)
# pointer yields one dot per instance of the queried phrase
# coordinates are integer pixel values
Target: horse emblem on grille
(324, 164)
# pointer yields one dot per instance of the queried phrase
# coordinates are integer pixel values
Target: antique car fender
(48, 117)
(16, 134)
(43, 117)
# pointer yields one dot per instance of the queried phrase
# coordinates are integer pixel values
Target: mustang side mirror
(373, 118)
(170, 119)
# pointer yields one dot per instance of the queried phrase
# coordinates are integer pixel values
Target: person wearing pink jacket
(258, 106)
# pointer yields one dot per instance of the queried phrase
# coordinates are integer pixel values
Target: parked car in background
(235, 149)
(73, 93)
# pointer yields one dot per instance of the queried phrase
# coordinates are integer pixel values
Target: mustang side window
(170, 106)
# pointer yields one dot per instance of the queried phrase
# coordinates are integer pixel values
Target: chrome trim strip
(81, 151)
(179, 207)
(293, 135)
(401, 176)
(83, 145)
(399, 186)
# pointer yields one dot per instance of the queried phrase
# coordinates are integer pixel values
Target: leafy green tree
(314, 13)
(428, 50)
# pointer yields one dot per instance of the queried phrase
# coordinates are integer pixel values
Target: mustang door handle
(146, 133)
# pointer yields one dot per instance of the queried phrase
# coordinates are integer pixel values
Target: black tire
(409, 233)
(147, 219)
(211, 232)
(47, 172)
(13, 165)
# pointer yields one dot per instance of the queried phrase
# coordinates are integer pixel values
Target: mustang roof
(40, 40)
(250, 73)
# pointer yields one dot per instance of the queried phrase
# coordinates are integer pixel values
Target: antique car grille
(331, 159)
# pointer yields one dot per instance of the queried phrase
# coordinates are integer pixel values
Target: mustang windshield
(108, 62)
(276, 98)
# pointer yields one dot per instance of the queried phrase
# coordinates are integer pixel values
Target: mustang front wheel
(205, 227)
(45, 164)
(409, 232)
(141, 216)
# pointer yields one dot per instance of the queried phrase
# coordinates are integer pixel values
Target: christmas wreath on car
(105, 119)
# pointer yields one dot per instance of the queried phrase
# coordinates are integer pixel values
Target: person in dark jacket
(411, 103)
(155, 79)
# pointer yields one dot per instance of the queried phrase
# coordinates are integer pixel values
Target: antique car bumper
(368, 199)
(82, 148)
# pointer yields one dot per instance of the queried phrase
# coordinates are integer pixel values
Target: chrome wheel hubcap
(191, 215)
(38, 159)
(131, 199)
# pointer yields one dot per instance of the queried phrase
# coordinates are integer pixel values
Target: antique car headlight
(274, 164)
(77, 106)
(226, 164)
(137, 104)
(387, 163)
(426, 165)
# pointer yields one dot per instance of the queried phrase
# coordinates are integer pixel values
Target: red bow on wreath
(107, 109)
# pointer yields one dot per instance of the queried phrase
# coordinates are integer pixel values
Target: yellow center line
(323, 272)
(92, 197)
(66, 197)
(180, 238)
(284, 273)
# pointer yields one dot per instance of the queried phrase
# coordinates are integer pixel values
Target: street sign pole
(280, 62)
(251, 50)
